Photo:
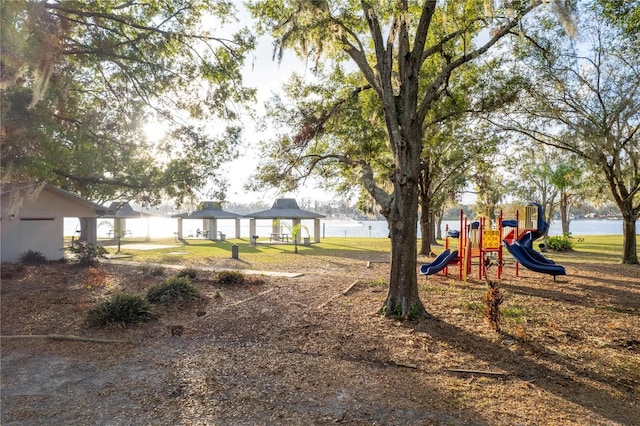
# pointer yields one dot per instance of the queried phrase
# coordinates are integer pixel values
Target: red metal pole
(461, 245)
(480, 251)
(500, 246)
(467, 247)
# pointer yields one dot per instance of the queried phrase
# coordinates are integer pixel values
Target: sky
(267, 75)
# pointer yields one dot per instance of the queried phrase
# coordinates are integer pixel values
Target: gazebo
(285, 208)
(210, 212)
(120, 211)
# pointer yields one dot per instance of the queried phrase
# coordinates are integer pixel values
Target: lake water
(163, 227)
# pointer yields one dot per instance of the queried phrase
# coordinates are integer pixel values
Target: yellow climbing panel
(490, 239)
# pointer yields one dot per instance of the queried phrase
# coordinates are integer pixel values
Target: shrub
(492, 301)
(96, 277)
(559, 243)
(153, 270)
(228, 277)
(88, 253)
(31, 257)
(191, 273)
(173, 290)
(123, 309)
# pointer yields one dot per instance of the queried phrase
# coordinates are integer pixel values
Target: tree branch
(432, 90)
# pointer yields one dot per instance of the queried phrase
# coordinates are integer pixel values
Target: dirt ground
(297, 351)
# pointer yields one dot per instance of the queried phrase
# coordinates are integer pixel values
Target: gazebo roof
(209, 210)
(119, 210)
(285, 208)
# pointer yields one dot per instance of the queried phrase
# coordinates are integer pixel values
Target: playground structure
(483, 240)
(528, 227)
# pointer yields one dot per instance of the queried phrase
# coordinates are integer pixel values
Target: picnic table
(123, 233)
(279, 237)
(199, 234)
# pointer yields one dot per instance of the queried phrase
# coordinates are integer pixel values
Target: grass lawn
(199, 251)
(587, 249)
(597, 248)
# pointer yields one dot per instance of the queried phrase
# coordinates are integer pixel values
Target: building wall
(38, 224)
(42, 235)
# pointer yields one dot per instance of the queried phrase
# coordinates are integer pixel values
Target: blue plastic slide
(534, 261)
(439, 263)
(529, 237)
(538, 257)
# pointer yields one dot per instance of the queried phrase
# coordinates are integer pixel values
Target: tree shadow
(623, 293)
(346, 251)
(550, 372)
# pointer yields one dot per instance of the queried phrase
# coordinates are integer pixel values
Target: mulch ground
(297, 351)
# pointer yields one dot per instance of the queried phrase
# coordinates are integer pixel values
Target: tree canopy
(623, 13)
(407, 55)
(81, 80)
(583, 98)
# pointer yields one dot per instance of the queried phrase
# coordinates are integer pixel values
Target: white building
(33, 219)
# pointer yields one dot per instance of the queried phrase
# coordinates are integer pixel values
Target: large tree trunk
(84, 230)
(564, 213)
(491, 212)
(403, 299)
(439, 227)
(629, 247)
(426, 226)
(629, 216)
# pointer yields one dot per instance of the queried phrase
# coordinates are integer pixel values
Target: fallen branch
(488, 373)
(344, 293)
(405, 365)
(65, 337)
(348, 289)
(371, 262)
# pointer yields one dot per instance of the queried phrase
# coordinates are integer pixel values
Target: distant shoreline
(164, 227)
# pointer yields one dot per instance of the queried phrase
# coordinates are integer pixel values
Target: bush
(492, 301)
(191, 273)
(153, 270)
(88, 253)
(175, 289)
(559, 243)
(228, 277)
(121, 309)
(31, 257)
(96, 277)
